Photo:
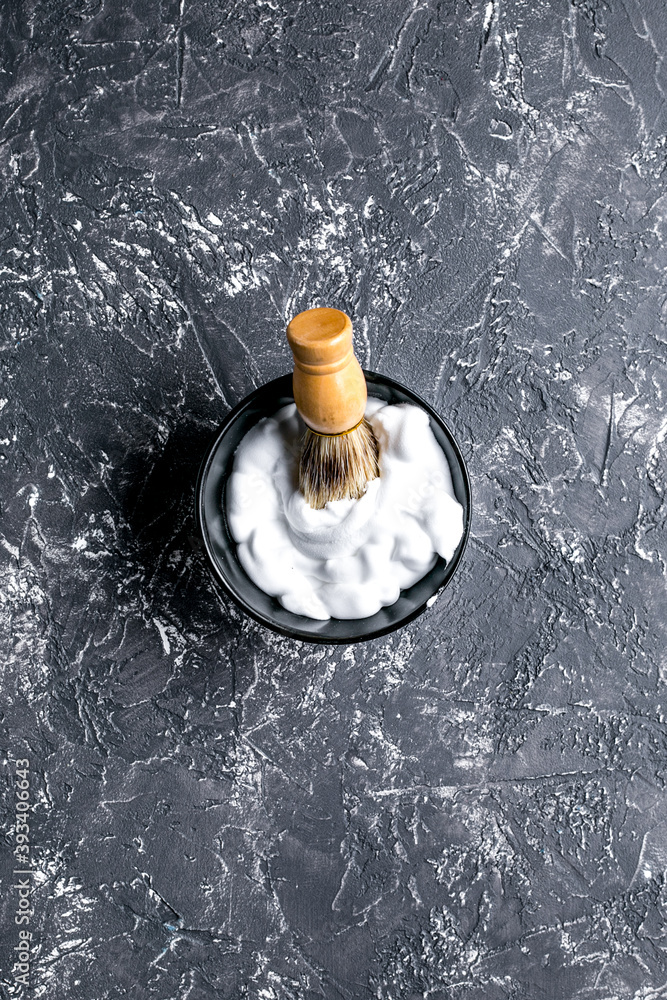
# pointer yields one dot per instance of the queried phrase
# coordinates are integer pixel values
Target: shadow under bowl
(221, 548)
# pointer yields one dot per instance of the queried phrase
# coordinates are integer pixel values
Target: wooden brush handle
(329, 385)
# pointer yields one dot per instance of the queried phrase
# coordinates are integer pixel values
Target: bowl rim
(217, 576)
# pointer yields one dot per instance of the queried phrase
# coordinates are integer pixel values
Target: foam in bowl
(353, 557)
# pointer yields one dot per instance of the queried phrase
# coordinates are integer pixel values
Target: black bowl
(221, 547)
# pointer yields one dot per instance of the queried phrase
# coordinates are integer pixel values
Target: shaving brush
(340, 451)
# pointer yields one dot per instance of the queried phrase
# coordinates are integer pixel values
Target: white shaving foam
(353, 557)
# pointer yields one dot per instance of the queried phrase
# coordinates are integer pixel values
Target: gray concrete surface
(473, 808)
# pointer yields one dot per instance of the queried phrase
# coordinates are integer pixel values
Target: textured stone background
(473, 808)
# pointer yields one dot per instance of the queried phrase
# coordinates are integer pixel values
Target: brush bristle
(338, 466)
